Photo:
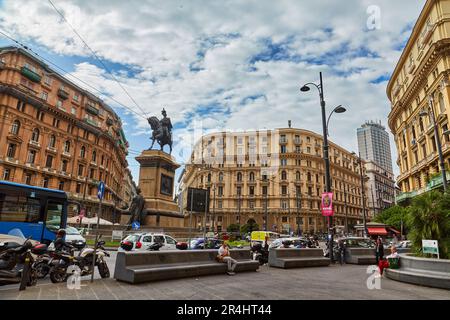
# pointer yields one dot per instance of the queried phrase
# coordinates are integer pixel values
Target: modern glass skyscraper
(373, 144)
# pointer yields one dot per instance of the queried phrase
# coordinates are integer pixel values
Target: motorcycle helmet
(61, 233)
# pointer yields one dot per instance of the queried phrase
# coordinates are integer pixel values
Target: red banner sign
(327, 204)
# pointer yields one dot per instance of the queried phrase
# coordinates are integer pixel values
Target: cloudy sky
(224, 64)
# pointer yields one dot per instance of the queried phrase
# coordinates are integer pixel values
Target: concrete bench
(360, 256)
(137, 267)
(422, 271)
(297, 258)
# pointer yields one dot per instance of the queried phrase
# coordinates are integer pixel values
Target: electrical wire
(68, 74)
(96, 56)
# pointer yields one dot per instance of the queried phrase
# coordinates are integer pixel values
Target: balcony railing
(30, 74)
(63, 94)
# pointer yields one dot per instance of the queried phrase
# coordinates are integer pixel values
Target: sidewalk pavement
(348, 282)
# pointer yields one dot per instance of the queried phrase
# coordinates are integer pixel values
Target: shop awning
(377, 231)
(394, 230)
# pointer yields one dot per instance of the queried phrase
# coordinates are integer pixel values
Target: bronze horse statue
(160, 135)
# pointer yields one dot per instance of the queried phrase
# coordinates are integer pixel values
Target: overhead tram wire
(96, 56)
(67, 74)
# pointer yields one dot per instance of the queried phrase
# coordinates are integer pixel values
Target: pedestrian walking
(224, 256)
(341, 248)
(379, 250)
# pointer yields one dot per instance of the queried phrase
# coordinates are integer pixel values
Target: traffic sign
(101, 190)
(135, 225)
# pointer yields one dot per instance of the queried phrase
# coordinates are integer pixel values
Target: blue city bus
(32, 211)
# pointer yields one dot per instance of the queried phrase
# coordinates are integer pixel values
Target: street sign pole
(100, 193)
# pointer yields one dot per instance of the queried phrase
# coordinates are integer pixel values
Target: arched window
(209, 177)
(297, 176)
(67, 146)
(421, 124)
(94, 156)
(52, 141)
(83, 152)
(15, 127)
(252, 176)
(441, 103)
(239, 176)
(283, 175)
(309, 176)
(35, 135)
(221, 176)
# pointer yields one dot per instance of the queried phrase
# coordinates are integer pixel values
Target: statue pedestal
(156, 181)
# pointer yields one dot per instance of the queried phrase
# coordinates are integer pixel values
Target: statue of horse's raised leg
(153, 142)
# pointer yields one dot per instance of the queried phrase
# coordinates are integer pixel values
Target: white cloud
(162, 40)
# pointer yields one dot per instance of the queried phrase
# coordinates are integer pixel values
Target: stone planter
(423, 271)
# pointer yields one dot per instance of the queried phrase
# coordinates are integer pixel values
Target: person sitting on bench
(383, 264)
(224, 256)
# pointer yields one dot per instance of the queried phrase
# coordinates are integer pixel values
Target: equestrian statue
(162, 131)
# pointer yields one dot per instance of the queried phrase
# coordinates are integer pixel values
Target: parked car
(356, 242)
(404, 244)
(143, 241)
(295, 242)
(74, 237)
(210, 243)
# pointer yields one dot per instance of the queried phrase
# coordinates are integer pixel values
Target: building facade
(56, 135)
(374, 148)
(373, 144)
(380, 188)
(418, 90)
(278, 174)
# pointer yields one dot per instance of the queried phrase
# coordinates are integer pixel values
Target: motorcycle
(62, 261)
(16, 266)
(42, 263)
(260, 254)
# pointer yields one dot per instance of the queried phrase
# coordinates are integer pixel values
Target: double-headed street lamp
(437, 139)
(338, 109)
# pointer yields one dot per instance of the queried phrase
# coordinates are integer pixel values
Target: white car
(74, 237)
(142, 241)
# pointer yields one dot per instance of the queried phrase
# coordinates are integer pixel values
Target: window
(59, 104)
(67, 146)
(284, 219)
(49, 161)
(35, 135)
(284, 162)
(83, 152)
(44, 95)
(92, 174)
(15, 127)
(28, 178)
(20, 106)
(170, 240)
(40, 115)
(220, 191)
(11, 150)
(45, 182)
(283, 175)
(78, 188)
(94, 156)
(47, 80)
(55, 123)
(283, 149)
(6, 175)
(52, 141)
(73, 110)
(76, 97)
(297, 176)
(31, 156)
(251, 190)
(441, 103)
(19, 209)
(252, 176)
(284, 190)
(80, 170)
(239, 176)
(61, 185)
(64, 166)
(53, 215)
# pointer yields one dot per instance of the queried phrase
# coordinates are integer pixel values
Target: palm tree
(428, 218)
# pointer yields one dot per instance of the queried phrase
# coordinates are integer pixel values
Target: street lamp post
(437, 140)
(363, 194)
(326, 159)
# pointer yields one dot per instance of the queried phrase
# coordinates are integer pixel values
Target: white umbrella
(87, 220)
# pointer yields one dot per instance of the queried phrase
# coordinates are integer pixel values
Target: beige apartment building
(280, 172)
(54, 134)
(419, 85)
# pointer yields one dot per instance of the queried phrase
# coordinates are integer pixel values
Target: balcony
(92, 110)
(283, 140)
(91, 122)
(297, 141)
(405, 196)
(35, 144)
(63, 94)
(30, 74)
(66, 154)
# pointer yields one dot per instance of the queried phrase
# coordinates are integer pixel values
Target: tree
(250, 226)
(393, 216)
(234, 227)
(429, 218)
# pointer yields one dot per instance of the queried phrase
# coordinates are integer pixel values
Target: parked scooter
(260, 254)
(59, 271)
(16, 266)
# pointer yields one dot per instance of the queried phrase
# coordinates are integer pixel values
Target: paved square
(333, 282)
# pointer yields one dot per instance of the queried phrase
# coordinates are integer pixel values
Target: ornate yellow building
(420, 81)
(283, 168)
